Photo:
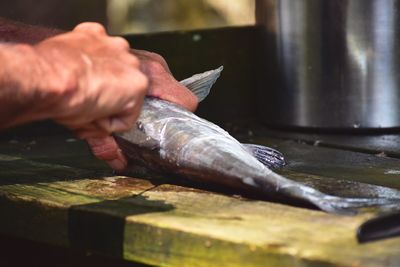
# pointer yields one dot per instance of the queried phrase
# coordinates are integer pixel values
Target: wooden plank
(226, 231)
(54, 201)
(170, 226)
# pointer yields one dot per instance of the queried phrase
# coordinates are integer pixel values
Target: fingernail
(118, 125)
(130, 105)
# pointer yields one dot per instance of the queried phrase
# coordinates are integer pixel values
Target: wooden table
(53, 191)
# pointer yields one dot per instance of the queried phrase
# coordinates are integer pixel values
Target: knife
(381, 227)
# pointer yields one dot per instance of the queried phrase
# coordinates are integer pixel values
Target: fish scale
(169, 139)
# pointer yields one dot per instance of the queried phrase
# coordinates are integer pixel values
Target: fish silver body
(169, 139)
(189, 144)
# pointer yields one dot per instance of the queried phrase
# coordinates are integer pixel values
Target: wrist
(61, 72)
(19, 71)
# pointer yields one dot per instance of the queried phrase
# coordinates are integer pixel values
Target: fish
(169, 139)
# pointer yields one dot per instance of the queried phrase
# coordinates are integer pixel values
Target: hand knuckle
(120, 43)
(92, 27)
(138, 79)
(143, 82)
(133, 60)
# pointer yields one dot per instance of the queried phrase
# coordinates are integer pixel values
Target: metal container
(337, 62)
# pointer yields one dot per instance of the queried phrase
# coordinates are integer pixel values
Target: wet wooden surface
(53, 191)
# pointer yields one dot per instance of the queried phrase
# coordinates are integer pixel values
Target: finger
(186, 99)
(107, 149)
(74, 122)
(119, 118)
(85, 134)
(175, 93)
(131, 60)
(91, 27)
(120, 122)
(89, 131)
(148, 57)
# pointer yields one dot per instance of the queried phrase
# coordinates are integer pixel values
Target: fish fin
(200, 84)
(271, 158)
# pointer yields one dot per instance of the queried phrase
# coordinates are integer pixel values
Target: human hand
(96, 81)
(162, 85)
(86, 81)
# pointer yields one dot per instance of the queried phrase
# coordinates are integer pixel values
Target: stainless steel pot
(337, 61)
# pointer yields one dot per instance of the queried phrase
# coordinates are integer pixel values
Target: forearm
(22, 97)
(16, 32)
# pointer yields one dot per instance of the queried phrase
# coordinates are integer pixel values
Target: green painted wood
(46, 198)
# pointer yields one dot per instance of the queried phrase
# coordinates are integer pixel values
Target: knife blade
(381, 227)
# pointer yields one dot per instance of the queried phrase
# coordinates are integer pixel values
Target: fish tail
(330, 203)
(352, 206)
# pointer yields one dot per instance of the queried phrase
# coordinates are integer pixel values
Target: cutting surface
(53, 191)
